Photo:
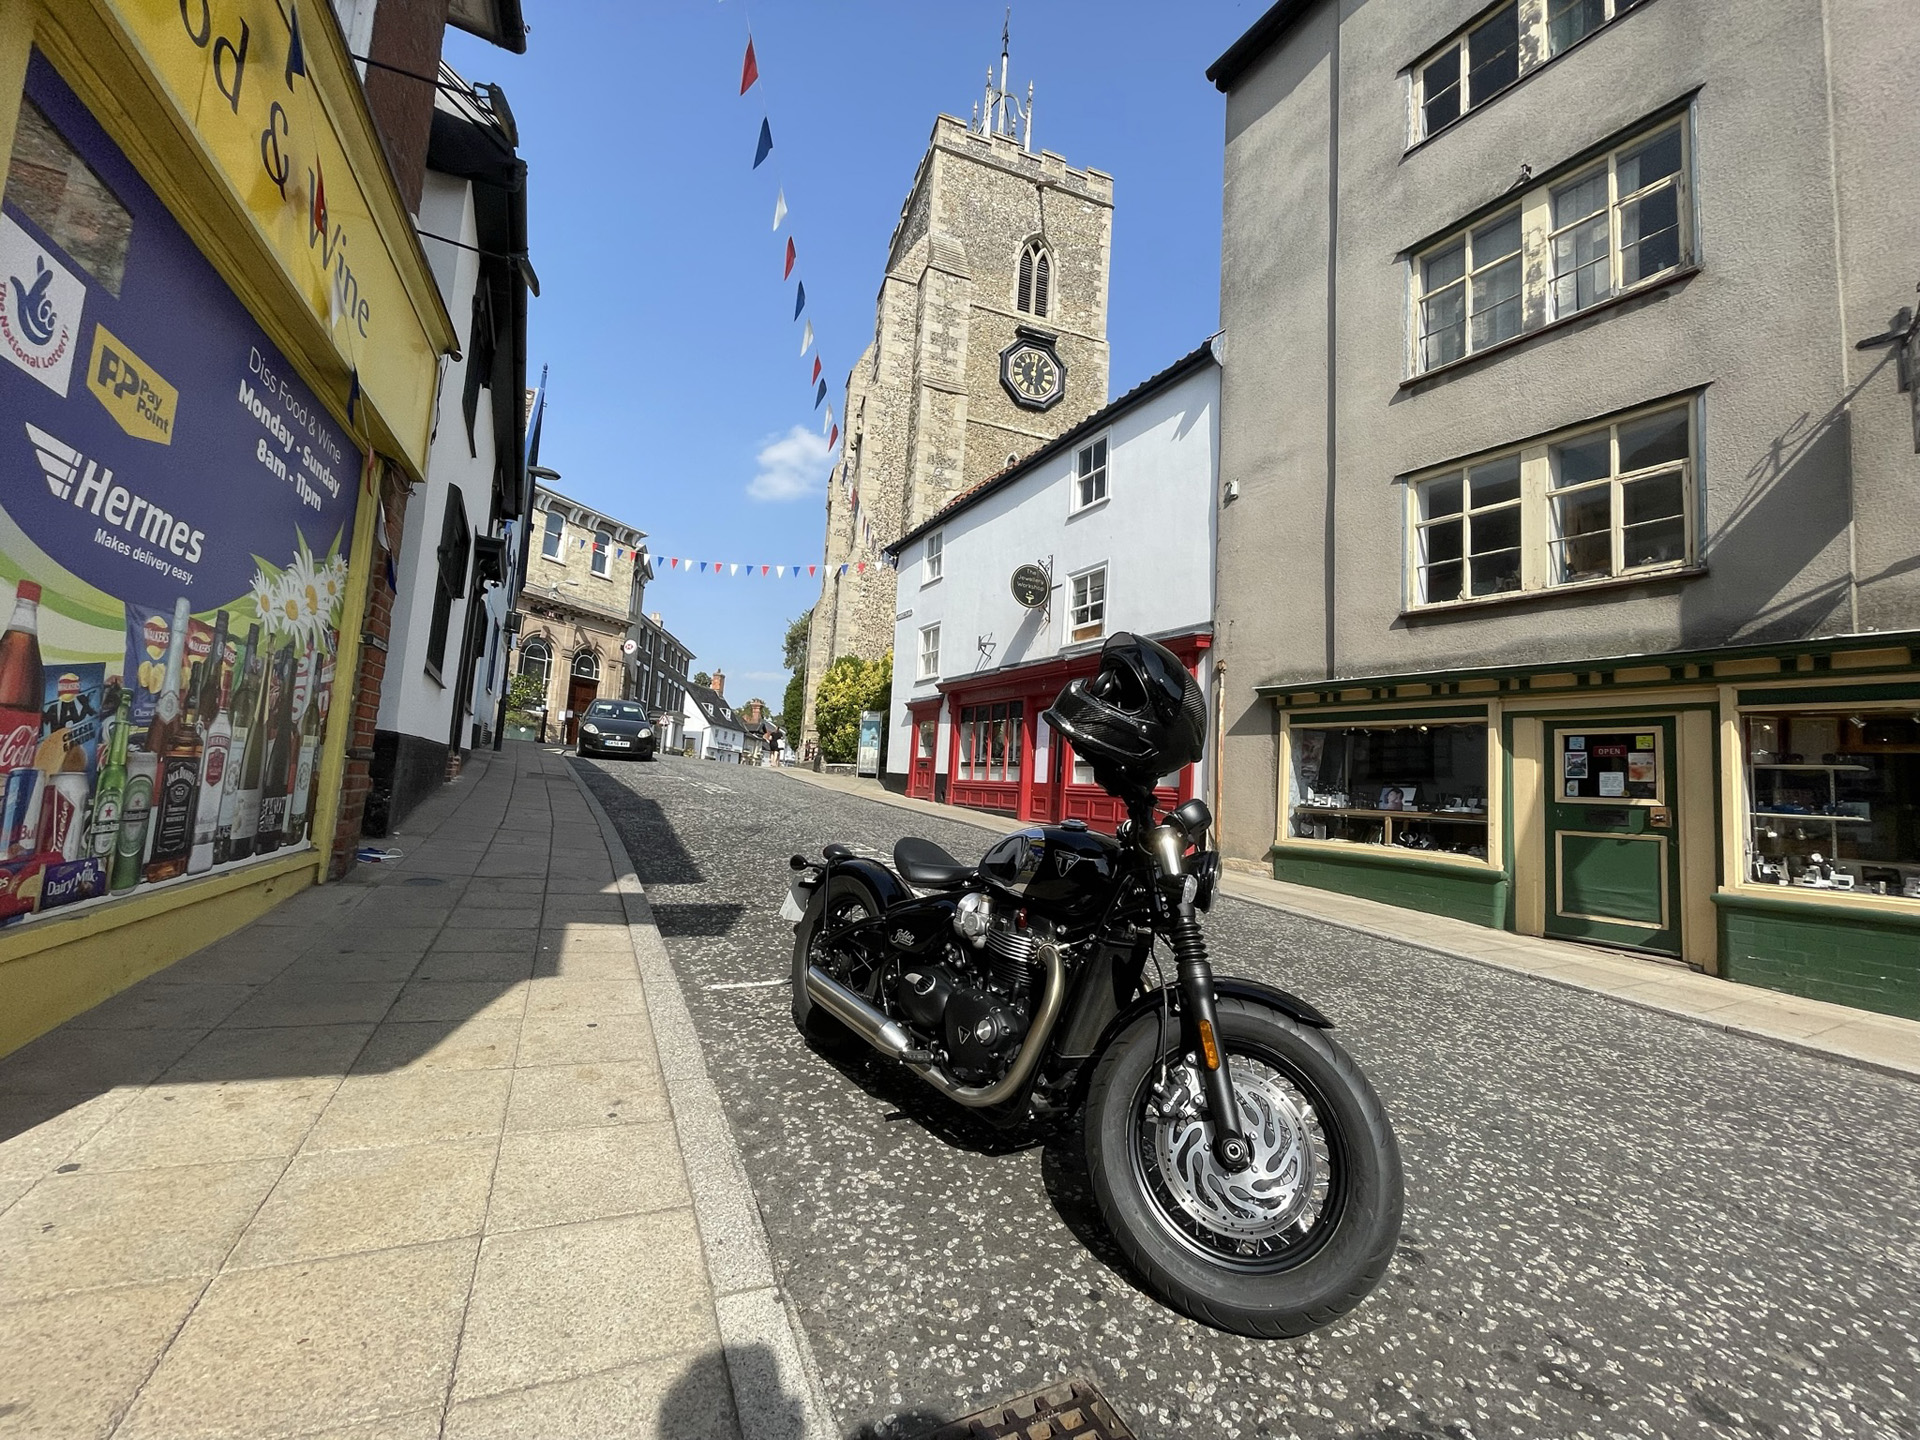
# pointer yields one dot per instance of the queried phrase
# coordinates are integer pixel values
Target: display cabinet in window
(1414, 787)
(1833, 801)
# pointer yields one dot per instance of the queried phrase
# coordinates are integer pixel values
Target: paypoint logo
(140, 402)
(90, 485)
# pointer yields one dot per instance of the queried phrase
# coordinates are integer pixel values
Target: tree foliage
(793, 707)
(798, 636)
(701, 677)
(850, 686)
(524, 693)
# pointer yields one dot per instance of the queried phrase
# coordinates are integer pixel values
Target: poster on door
(173, 541)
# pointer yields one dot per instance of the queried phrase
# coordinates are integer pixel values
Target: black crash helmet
(1141, 713)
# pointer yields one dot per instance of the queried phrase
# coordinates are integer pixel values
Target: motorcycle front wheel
(1279, 1249)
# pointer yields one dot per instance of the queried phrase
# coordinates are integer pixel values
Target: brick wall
(407, 36)
(376, 625)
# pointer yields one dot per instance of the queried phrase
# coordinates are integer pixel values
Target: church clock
(1031, 371)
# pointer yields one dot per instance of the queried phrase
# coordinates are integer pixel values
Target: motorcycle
(1237, 1154)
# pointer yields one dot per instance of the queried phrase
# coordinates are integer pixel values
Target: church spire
(1001, 112)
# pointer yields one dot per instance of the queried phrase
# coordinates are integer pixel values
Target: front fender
(1292, 1006)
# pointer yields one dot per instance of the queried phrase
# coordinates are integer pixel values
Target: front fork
(1202, 1034)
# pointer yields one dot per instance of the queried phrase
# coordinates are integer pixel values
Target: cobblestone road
(1617, 1224)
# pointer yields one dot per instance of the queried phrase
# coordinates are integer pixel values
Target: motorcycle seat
(925, 864)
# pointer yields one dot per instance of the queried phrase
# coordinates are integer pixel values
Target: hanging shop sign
(173, 535)
(261, 88)
(1031, 586)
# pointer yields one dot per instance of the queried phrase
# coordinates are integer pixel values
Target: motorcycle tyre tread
(1374, 1210)
(821, 1029)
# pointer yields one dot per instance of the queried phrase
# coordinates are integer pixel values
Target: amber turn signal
(1207, 1048)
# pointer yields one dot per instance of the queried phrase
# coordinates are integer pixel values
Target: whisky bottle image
(240, 721)
(216, 743)
(277, 762)
(176, 792)
(299, 803)
(109, 791)
(246, 804)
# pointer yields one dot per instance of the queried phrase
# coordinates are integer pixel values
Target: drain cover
(1070, 1409)
(424, 880)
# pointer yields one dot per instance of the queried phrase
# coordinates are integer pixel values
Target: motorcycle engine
(977, 1002)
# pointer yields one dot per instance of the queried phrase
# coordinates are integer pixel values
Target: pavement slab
(1620, 1222)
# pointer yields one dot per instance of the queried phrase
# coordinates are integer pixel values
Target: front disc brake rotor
(1285, 1187)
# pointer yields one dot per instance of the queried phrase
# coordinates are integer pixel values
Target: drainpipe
(1219, 749)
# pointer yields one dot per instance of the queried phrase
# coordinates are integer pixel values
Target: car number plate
(793, 908)
(616, 744)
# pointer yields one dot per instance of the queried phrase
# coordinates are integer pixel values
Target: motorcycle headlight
(590, 728)
(1203, 871)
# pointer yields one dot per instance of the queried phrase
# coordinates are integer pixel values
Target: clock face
(1033, 375)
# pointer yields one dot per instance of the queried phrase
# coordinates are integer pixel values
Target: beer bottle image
(216, 743)
(176, 792)
(130, 849)
(245, 692)
(23, 680)
(246, 808)
(277, 762)
(109, 791)
(166, 706)
(300, 802)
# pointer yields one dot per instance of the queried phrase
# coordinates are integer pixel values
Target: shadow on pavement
(661, 859)
(697, 920)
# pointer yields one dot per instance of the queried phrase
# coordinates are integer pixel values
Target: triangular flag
(816, 370)
(800, 301)
(861, 569)
(792, 255)
(673, 562)
(317, 217)
(821, 396)
(353, 389)
(834, 438)
(765, 147)
(843, 569)
(806, 338)
(735, 570)
(296, 51)
(812, 568)
(826, 424)
(750, 70)
(779, 571)
(703, 567)
(779, 208)
(764, 569)
(718, 566)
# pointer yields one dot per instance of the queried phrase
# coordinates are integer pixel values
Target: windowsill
(1345, 849)
(1089, 508)
(433, 673)
(1557, 592)
(1642, 291)
(554, 558)
(933, 580)
(1518, 81)
(1821, 902)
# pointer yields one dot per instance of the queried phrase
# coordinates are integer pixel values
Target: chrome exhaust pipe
(891, 1040)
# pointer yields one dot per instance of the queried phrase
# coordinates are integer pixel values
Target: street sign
(1031, 586)
(628, 648)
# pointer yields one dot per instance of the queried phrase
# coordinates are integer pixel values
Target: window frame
(1291, 806)
(924, 669)
(528, 648)
(933, 557)
(1102, 442)
(602, 562)
(1538, 493)
(554, 537)
(1078, 630)
(1033, 287)
(1540, 283)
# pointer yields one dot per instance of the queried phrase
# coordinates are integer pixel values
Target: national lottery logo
(40, 305)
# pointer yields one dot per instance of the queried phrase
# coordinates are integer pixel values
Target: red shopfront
(997, 759)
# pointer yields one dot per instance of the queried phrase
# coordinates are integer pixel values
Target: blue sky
(678, 398)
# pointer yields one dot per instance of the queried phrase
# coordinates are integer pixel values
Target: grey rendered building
(1569, 559)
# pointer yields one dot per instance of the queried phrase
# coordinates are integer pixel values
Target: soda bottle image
(130, 850)
(23, 680)
(110, 790)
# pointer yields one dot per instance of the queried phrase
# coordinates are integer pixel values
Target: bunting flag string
(754, 570)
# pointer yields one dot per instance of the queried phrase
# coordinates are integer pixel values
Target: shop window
(936, 560)
(1089, 589)
(1090, 475)
(1588, 505)
(1833, 800)
(989, 738)
(1410, 786)
(1613, 226)
(929, 652)
(555, 532)
(59, 192)
(1500, 46)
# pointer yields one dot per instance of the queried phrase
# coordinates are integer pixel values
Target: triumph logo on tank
(71, 476)
(40, 305)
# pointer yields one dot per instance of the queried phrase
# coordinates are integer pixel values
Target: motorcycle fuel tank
(1065, 870)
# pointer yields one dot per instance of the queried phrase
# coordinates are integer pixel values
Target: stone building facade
(1000, 254)
(586, 573)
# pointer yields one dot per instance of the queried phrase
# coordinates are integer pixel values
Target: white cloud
(792, 467)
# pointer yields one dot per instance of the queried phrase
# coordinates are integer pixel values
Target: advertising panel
(174, 521)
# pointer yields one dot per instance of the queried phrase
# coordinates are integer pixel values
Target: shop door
(580, 694)
(1613, 852)
(925, 729)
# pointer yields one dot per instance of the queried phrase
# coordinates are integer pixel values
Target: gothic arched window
(1035, 292)
(536, 661)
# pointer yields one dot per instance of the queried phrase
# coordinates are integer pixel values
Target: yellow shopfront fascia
(166, 101)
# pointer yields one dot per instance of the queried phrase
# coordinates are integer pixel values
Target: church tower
(990, 339)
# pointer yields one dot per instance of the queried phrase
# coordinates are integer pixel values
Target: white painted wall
(1154, 531)
(412, 701)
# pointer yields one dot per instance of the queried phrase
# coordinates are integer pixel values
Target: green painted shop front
(1754, 812)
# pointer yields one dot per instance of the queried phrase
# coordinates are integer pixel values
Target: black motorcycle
(1238, 1155)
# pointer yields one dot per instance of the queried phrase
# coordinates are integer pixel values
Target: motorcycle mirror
(798, 862)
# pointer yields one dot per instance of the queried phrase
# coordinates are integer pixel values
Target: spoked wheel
(842, 901)
(1283, 1247)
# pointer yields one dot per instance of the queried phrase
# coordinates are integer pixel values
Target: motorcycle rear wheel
(1284, 1248)
(842, 900)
